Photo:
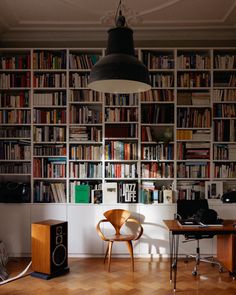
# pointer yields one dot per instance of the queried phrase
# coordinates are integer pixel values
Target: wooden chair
(119, 217)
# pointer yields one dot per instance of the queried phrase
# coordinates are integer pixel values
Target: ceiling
(85, 20)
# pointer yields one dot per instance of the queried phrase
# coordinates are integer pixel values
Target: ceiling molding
(30, 20)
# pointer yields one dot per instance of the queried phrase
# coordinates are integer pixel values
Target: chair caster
(194, 273)
(221, 270)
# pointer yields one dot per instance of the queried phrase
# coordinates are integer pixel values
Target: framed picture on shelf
(167, 196)
(213, 189)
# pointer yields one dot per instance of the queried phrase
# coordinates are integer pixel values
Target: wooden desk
(175, 230)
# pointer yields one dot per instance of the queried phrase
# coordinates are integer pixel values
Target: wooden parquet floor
(89, 276)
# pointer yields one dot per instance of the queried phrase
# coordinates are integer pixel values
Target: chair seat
(122, 238)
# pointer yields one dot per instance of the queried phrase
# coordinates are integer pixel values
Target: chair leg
(106, 253)
(130, 247)
(109, 254)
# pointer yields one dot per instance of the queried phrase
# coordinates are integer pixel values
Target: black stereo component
(229, 197)
(14, 192)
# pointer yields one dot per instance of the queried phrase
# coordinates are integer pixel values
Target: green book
(82, 193)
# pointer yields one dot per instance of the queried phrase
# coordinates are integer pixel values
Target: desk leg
(171, 243)
(175, 256)
(174, 248)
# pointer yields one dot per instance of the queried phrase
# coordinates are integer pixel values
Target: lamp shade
(119, 71)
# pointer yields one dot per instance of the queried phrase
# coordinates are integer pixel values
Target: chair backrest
(188, 208)
(117, 217)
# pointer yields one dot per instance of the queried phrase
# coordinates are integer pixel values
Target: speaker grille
(59, 255)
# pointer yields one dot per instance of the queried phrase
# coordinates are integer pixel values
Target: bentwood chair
(118, 218)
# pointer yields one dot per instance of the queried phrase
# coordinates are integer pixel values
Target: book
(167, 196)
(96, 196)
(128, 192)
(109, 192)
(82, 193)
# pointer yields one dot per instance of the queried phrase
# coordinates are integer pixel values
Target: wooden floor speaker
(49, 247)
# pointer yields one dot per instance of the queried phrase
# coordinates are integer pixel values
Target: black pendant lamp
(119, 71)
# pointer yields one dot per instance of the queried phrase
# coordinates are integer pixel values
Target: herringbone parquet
(89, 276)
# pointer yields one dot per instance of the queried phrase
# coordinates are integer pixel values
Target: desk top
(227, 227)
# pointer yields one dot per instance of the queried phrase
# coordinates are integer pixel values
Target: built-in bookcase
(15, 116)
(224, 115)
(167, 143)
(49, 114)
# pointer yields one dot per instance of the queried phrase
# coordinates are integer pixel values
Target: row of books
(194, 118)
(119, 150)
(45, 59)
(14, 80)
(224, 95)
(157, 170)
(52, 116)
(83, 61)
(198, 135)
(15, 117)
(224, 110)
(85, 95)
(224, 151)
(121, 99)
(190, 190)
(86, 152)
(49, 150)
(188, 151)
(193, 98)
(193, 79)
(224, 130)
(55, 98)
(158, 61)
(14, 61)
(193, 170)
(224, 61)
(121, 115)
(15, 168)
(45, 192)
(226, 80)
(79, 80)
(47, 80)
(106, 193)
(158, 152)
(85, 114)
(152, 194)
(49, 134)
(15, 150)
(85, 170)
(85, 133)
(193, 61)
(225, 170)
(85, 192)
(118, 170)
(158, 95)
(13, 132)
(19, 99)
(161, 80)
(49, 167)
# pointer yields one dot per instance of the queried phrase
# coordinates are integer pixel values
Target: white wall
(83, 240)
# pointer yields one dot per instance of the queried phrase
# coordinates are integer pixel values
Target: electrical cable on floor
(18, 276)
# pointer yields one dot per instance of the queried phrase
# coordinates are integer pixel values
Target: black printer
(229, 197)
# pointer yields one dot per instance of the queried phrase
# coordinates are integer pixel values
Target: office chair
(189, 209)
(117, 218)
